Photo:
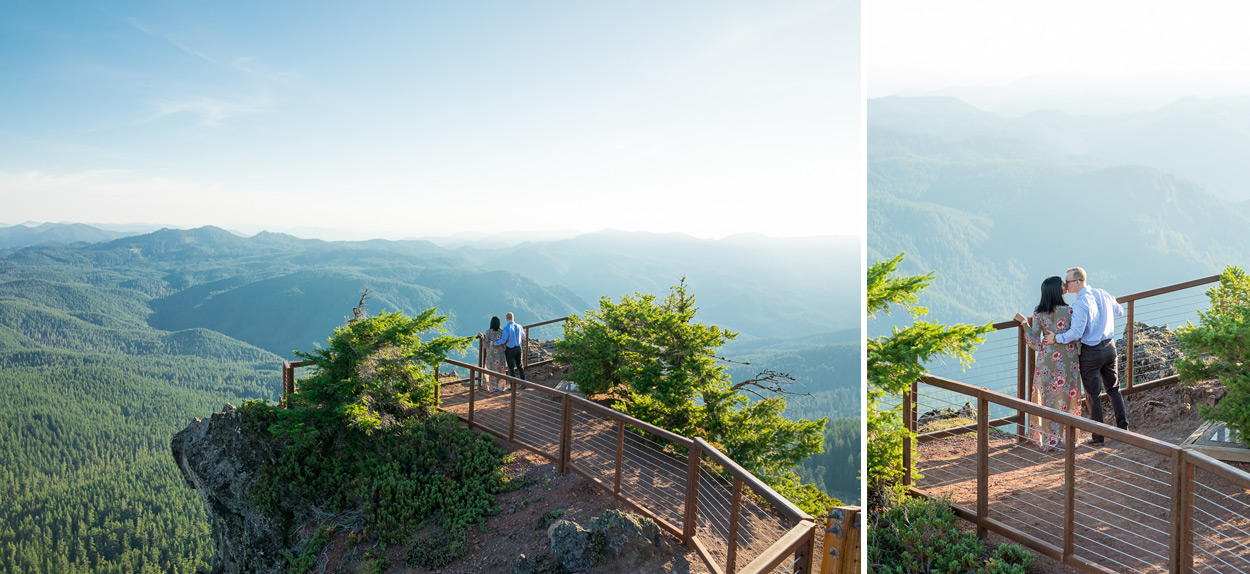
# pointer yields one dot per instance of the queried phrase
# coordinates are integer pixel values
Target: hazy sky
(419, 118)
(1147, 50)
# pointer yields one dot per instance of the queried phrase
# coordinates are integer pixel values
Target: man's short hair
(1077, 273)
(508, 316)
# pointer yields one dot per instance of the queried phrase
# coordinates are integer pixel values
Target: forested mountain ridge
(994, 215)
(1203, 140)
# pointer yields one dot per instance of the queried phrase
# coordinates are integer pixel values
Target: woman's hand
(1021, 319)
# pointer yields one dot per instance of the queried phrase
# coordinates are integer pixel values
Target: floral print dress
(494, 358)
(1056, 378)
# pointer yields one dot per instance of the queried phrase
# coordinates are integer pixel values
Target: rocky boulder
(220, 459)
(616, 542)
(1154, 353)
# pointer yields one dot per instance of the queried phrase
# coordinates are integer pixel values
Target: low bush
(919, 536)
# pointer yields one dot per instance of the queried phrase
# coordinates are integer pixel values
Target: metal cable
(1246, 536)
(1209, 553)
(1229, 497)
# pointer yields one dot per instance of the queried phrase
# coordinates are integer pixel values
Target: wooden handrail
(763, 490)
(1168, 289)
(789, 543)
(1127, 437)
(547, 322)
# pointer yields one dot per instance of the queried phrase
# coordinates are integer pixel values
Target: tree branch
(769, 381)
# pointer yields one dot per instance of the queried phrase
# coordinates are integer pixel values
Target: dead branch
(358, 312)
(769, 381)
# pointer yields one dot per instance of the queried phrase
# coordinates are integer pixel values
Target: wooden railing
(730, 518)
(1170, 509)
(735, 522)
(1015, 350)
(1157, 486)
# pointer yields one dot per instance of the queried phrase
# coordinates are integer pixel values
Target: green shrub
(437, 547)
(919, 536)
(1015, 554)
(1217, 349)
(545, 520)
(307, 558)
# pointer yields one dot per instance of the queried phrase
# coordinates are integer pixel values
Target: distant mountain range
(21, 235)
(994, 205)
(1201, 140)
(761, 287)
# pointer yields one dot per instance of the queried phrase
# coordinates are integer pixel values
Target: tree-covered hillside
(89, 398)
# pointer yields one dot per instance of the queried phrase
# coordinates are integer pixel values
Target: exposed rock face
(219, 459)
(967, 412)
(1154, 353)
(616, 542)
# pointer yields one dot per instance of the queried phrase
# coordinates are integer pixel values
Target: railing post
(286, 372)
(731, 561)
(983, 464)
(512, 412)
(803, 554)
(1128, 343)
(471, 387)
(692, 495)
(909, 420)
(1021, 386)
(1069, 492)
(1180, 555)
(620, 453)
(841, 555)
(909, 424)
(525, 349)
(566, 434)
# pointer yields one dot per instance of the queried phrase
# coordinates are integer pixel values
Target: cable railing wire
(1221, 546)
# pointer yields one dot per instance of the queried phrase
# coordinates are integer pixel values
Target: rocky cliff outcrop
(220, 459)
(1154, 353)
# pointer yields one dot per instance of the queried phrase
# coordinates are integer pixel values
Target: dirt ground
(514, 531)
(1123, 493)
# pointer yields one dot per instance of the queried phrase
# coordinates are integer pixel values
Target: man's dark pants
(1097, 373)
(513, 356)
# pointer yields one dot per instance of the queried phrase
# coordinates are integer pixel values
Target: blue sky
(403, 119)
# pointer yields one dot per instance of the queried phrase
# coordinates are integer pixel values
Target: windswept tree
(661, 366)
(897, 360)
(376, 369)
(1219, 348)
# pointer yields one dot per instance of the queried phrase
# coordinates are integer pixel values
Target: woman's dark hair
(494, 323)
(1052, 295)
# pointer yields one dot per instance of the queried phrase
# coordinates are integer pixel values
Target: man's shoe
(1089, 441)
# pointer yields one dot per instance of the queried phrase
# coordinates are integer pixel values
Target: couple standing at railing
(1075, 349)
(502, 345)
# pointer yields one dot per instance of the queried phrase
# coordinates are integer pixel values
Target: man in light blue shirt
(1094, 312)
(511, 339)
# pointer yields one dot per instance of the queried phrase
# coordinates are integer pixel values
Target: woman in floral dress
(1057, 377)
(494, 355)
